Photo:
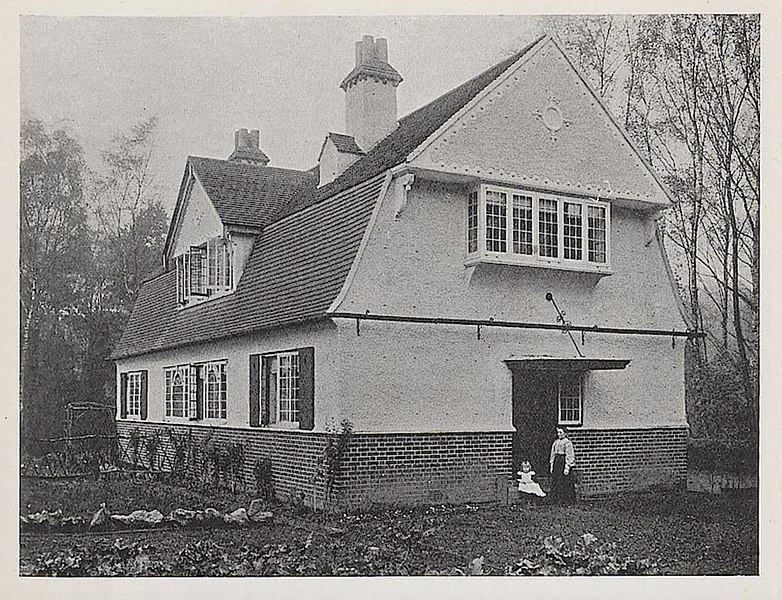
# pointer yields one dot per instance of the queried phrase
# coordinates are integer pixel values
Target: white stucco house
(402, 284)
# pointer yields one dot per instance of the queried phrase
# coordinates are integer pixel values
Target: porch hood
(550, 363)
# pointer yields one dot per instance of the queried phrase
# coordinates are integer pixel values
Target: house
(412, 284)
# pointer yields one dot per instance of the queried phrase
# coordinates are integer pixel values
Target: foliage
(329, 464)
(264, 484)
(87, 241)
(584, 557)
(121, 558)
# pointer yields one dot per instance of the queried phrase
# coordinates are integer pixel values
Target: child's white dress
(528, 486)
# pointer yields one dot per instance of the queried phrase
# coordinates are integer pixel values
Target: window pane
(288, 387)
(496, 222)
(572, 230)
(570, 399)
(596, 233)
(548, 231)
(522, 224)
(472, 222)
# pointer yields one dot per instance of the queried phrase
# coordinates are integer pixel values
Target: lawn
(679, 532)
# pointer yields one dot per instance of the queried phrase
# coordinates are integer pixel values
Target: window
(215, 390)
(522, 224)
(204, 270)
(597, 233)
(547, 228)
(133, 397)
(573, 231)
(282, 389)
(177, 391)
(537, 229)
(496, 221)
(287, 387)
(197, 391)
(472, 222)
(570, 399)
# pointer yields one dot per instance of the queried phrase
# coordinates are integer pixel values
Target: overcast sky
(203, 78)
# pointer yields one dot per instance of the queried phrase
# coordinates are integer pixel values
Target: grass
(686, 533)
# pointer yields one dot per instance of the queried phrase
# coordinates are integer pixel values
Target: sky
(203, 77)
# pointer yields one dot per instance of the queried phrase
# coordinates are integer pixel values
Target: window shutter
(307, 388)
(266, 400)
(123, 395)
(199, 391)
(144, 397)
(255, 390)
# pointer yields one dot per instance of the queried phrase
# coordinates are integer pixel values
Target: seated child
(526, 484)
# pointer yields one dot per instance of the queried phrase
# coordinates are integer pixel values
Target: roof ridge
(245, 165)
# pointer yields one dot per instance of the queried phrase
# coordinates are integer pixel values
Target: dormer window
(205, 271)
(514, 226)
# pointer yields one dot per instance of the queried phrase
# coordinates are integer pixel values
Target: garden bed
(676, 532)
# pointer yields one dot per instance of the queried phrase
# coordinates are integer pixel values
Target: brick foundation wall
(398, 468)
(619, 460)
(294, 455)
(425, 468)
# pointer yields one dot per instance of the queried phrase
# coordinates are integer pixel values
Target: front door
(534, 417)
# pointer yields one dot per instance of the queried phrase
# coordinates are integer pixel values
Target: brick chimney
(247, 148)
(370, 94)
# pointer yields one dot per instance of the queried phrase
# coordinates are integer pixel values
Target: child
(526, 484)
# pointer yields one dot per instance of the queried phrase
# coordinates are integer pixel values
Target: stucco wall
(401, 377)
(236, 352)
(504, 135)
(199, 221)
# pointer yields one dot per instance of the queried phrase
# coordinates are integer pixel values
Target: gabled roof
(295, 270)
(247, 194)
(310, 236)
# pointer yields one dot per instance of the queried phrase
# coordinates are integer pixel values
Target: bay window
(537, 229)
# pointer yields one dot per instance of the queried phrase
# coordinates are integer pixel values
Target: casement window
(197, 391)
(205, 270)
(178, 391)
(570, 401)
(282, 389)
(133, 395)
(536, 229)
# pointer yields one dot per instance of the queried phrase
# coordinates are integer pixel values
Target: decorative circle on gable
(552, 117)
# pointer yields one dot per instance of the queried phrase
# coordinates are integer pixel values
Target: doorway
(534, 417)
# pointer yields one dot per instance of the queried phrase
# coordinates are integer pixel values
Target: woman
(563, 458)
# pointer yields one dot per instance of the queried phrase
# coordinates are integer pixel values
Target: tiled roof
(345, 143)
(250, 195)
(295, 270)
(310, 235)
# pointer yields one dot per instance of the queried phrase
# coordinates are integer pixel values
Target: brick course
(394, 468)
(421, 468)
(619, 460)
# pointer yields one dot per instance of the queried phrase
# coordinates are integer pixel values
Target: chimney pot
(381, 49)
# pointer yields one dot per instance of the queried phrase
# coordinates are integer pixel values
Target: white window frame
(292, 398)
(563, 380)
(482, 254)
(221, 366)
(170, 374)
(217, 257)
(133, 395)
